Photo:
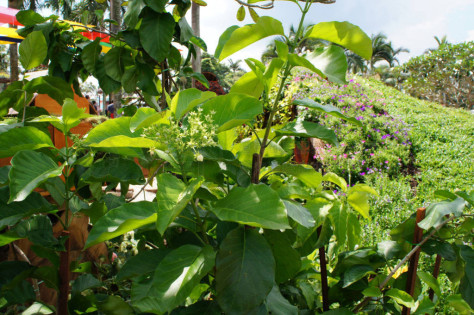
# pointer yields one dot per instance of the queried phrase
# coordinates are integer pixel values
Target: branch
(147, 182)
(402, 262)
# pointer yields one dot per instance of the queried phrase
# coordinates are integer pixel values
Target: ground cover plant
(236, 227)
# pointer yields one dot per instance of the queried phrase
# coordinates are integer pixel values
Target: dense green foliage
(235, 227)
(444, 75)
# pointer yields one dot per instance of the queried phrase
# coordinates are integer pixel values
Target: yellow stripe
(10, 32)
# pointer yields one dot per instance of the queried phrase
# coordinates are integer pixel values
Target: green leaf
(232, 110)
(308, 130)
(142, 264)
(201, 78)
(107, 84)
(431, 281)
(90, 55)
(272, 72)
(358, 198)
(278, 305)
(248, 84)
(425, 306)
(256, 205)
(466, 286)
(24, 138)
(459, 304)
(436, 212)
(84, 282)
(56, 88)
(33, 50)
(156, 33)
(254, 15)
(339, 217)
(332, 62)
(29, 18)
(186, 100)
(29, 170)
(344, 34)
(115, 62)
(122, 219)
(305, 173)
(388, 249)
(39, 230)
(355, 273)
(372, 292)
(299, 213)
(146, 116)
(245, 271)
(235, 38)
(241, 13)
(287, 259)
(172, 197)
(335, 179)
(72, 114)
(157, 5)
(114, 305)
(327, 109)
(216, 154)
(282, 50)
(174, 279)
(49, 275)
(401, 297)
(38, 308)
(131, 16)
(11, 213)
(114, 170)
(14, 97)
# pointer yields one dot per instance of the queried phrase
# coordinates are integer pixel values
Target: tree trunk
(116, 15)
(14, 72)
(196, 62)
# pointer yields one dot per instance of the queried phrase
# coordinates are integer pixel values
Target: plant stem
(402, 262)
(66, 178)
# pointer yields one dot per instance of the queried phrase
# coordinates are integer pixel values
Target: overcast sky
(407, 23)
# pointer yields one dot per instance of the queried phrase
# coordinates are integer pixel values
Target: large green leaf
(344, 34)
(305, 173)
(90, 55)
(401, 297)
(231, 110)
(355, 273)
(186, 100)
(299, 213)
(287, 259)
(142, 264)
(278, 305)
(56, 88)
(248, 84)
(11, 213)
(146, 116)
(29, 170)
(107, 84)
(239, 38)
(114, 170)
(115, 62)
(247, 148)
(172, 197)
(14, 97)
(33, 50)
(308, 130)
(436, 212)
(431, 281)
(29, 18)
(327, 109)
(174, 279)
(332, 62)
(156, 33)
(358, 198)
(245, 271)
(24, 138)
(71, 116)
(39, 230)
(256, 205)
(122, 219)
(134, 8)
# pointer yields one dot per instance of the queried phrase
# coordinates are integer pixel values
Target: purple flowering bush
(382, 147)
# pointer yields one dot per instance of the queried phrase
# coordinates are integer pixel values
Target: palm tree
(396, 52)
(235, 65)
(355, 63)
(14, 72)
(382, 50)
(441, 41)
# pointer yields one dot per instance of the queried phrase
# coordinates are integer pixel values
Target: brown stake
(435, 274)
(324, 275)
(411, 275)
(64, 277)
(255, 168)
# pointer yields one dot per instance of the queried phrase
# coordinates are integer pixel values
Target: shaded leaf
(33, 50)
(24, 138)
(327, 109)
(308, 129)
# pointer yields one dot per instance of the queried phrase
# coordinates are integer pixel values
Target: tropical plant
(235, 226)
(443, 75)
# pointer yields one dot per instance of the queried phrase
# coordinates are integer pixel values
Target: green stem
(66, 178)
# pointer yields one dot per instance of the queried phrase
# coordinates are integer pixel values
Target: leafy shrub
(444, 75)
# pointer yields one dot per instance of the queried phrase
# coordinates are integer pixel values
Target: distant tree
(4, 58)
(441, 41)
(355, 63)
(235, 65)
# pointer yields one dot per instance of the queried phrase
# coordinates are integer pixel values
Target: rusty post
(413, 266)
(255, 168)
(435, 275)
(324, 275)
(64, 277)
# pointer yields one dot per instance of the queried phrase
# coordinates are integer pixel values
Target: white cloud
(470, 36)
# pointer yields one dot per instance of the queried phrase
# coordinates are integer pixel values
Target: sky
(411, 24)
